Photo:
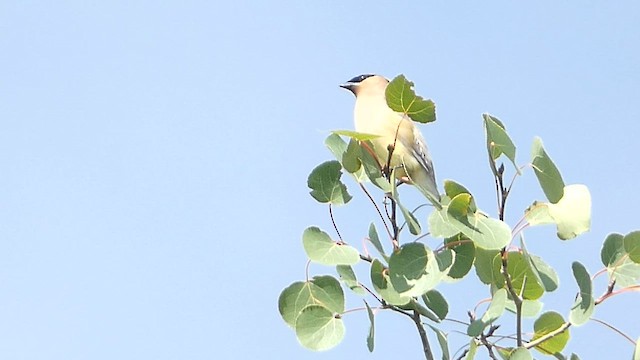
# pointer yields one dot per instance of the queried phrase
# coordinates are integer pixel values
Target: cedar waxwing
(373, 116)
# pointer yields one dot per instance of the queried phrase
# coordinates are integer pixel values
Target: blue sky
(154, 158)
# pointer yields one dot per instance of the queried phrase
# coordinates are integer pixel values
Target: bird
(373, 116)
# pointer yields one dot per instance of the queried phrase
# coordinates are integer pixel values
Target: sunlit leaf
(583, 307)
(487, 233)
(529, 308)
(547, 173)
(473, 348)
(545, 324)
(402, 98)
(321, 249)
(442, 340)
(452, 188)
(636, 352)
(619, 266)
(523, 279)
(355, 135)
(326, 187)
(495, 310)
(571, 214)
(318, 329)
(521, 353)
(407, 265)
(631, 244)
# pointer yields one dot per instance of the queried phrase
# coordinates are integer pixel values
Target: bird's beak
(349, 86)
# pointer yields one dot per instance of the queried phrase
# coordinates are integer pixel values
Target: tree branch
(423, 336)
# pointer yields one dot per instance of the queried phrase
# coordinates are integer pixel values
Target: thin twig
(333, 221)
(377, 208)
(616, 330)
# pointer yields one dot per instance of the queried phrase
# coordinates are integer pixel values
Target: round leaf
(631, 243)
(547, 323)
(318, 329)
(326, 187)
(321, 249)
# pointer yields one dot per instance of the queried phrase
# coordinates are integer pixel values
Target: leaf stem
(333, 221)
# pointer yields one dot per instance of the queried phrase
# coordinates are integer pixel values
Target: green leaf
(336, 145)
(465, 254)
(473, 348)
(544, 273)
(348, 276)
(488, 265)
(351, 157)
(442, 340)
(485, 232)
(321, 249)
(583, 307)
(547, 173)
(498, 141)
(521, 353)
(495, 310)
(401, 98)
(547, 323)
(523, 279)
(572, 213)
(318, 329)
(529, 309)
(321, 290)
(326, 187)
(459, 207)
(375, 240)
(372, 169)
(355, 135)
(407, 265)
(382, 285)
(636, 352)
(409, 218)
(436, 303)
(612, 249)
(413, 305)
(619, 266)
(626, 273)
(452, 189)
(631, 244)
(412, 283)
(372, 329)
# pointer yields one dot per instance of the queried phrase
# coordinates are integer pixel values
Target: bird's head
(367, 83)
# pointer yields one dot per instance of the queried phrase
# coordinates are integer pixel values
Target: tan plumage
(373, 116)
